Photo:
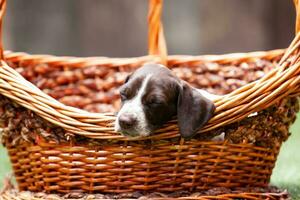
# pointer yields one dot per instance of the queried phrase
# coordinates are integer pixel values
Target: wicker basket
(60, 138)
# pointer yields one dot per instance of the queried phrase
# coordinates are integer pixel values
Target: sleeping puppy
(153, 95)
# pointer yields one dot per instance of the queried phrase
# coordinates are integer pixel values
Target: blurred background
(119, 29)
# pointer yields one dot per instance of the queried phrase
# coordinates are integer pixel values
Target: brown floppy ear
(193, 110)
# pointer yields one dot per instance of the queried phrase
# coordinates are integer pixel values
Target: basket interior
(95, 88)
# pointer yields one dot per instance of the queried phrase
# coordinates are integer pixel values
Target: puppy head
(152, 95)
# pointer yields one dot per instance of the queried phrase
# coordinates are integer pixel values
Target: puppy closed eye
(154, 102)
(124, 95)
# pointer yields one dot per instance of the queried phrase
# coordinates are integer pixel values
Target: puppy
(153, 95)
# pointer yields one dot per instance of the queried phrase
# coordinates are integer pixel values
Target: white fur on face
(208, 95)
(134, 106)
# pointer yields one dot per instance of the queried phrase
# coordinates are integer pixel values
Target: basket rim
(176, 59)
(253, 97)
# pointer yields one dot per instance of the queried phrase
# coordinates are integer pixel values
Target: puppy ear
(193, 110)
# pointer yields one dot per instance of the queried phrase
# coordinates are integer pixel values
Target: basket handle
(297, 7)
(156, 39)
(2, 12)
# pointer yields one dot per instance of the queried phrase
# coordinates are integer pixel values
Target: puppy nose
(127, 120)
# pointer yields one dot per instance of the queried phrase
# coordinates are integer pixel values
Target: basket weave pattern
(52, 168)
(73, 146)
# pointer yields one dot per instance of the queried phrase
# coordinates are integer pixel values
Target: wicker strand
(2, 12)
(156, 38)
(172, 60)
(297, 7)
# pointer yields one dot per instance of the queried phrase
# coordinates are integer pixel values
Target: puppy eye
(123, 96)
(155, 102)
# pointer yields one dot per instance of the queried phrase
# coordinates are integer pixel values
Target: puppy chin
(145, 133)
(135, 133)
(117, 127)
